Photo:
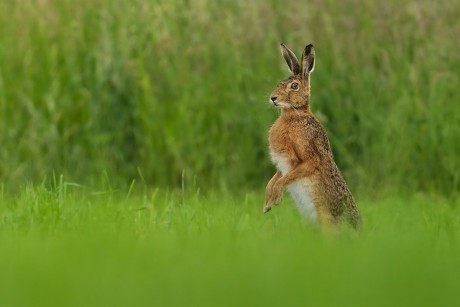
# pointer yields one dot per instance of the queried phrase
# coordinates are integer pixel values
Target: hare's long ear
(308, 61)
(291, 60)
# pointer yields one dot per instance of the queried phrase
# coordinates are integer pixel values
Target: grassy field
(162, 105)
(70, 246)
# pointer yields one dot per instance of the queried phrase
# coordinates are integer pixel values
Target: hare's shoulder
(310, 136)
(316, 134)
(303, 135)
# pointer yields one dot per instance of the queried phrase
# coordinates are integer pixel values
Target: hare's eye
(294, 85)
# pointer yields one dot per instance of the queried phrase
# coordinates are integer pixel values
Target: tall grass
(159, 89)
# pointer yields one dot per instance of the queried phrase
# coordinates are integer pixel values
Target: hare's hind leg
(326, 219)
(269, 191)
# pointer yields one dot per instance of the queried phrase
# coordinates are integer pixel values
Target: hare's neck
(296, 112)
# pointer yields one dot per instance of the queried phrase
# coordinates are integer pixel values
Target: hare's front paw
(273, 197)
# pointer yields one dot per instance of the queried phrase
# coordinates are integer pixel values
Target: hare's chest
(279, 142)
(281, 161)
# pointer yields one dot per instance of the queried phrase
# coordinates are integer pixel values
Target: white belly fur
(300, 190)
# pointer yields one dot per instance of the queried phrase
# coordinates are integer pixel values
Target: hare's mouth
(279, 104)
(274, 103)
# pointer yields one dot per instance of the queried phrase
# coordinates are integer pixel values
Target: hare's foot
(273, 197)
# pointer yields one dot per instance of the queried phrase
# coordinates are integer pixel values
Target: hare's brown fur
(301, 151)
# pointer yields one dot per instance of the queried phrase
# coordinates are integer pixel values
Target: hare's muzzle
(273, 100)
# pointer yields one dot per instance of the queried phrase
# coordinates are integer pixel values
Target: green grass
(72, 246)
(168, 87)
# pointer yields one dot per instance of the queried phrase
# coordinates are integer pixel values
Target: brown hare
(300, 149)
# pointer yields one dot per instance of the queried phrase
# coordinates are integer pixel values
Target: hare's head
(294, 92)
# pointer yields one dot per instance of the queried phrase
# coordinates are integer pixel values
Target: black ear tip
(309, 47)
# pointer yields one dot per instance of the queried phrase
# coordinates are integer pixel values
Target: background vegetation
(167, 88)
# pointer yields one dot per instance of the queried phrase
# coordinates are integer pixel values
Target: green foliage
(159, 89)
(72, 246)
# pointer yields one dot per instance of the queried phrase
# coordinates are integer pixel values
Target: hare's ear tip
(283, 48)
(309, 47)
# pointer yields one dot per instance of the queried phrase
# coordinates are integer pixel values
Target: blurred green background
(175, 91)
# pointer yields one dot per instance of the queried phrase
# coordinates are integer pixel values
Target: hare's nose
(273, 98)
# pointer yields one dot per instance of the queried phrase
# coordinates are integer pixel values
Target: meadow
(69, 246)
(134, 156)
